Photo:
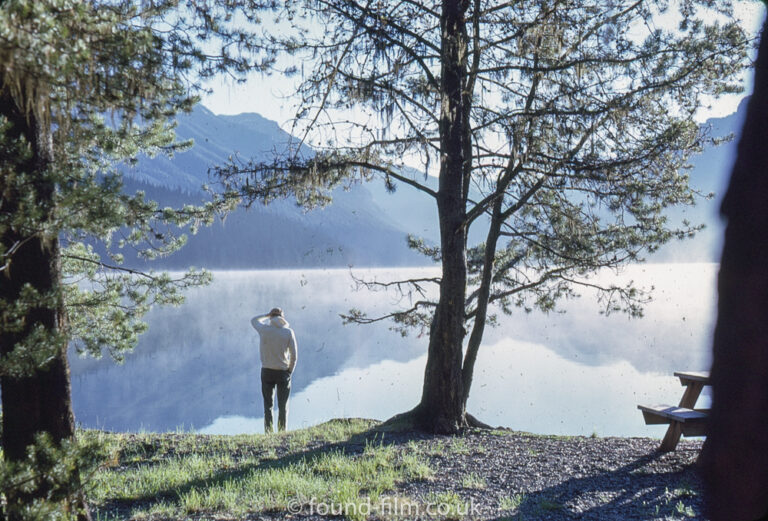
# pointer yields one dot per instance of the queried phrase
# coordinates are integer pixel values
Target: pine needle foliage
(86, 88)
(561, 130)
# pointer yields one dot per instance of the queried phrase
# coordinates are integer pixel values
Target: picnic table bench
(684, 419)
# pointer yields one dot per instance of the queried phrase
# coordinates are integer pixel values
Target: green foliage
(39, 346)
(106, 79)
(511, 502)
(59, 469)
(106, 311)
(307, 180)
(683, 510)
(86, 87)
(474, 481)
(448, 504)
(459, 446)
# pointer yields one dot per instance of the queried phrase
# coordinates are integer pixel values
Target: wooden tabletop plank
(673, 413)
(687, 377)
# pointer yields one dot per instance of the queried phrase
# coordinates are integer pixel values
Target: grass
(459, 447)
(472, 480)
(344, 469)
(685, 490)
(171, 476)
(675, 498)
(511, 502)
(549, 505)
(436, 450)
(559, 437)
(683, 511)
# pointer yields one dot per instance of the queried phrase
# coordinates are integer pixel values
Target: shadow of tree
(645, 488)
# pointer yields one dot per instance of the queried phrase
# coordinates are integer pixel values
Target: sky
(270, 96)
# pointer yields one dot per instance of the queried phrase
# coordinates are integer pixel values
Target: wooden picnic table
(684, 419)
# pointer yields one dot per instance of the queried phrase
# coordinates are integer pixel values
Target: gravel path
(505, 475)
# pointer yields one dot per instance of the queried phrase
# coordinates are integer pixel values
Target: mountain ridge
(367, 225)
(278, 235)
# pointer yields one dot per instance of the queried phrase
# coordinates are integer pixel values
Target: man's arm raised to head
(257, 323)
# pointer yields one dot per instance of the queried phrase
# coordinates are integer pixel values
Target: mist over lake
(573, 372)
(569, 372)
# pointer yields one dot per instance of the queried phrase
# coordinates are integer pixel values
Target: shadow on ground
(633, 491)
(648, 488)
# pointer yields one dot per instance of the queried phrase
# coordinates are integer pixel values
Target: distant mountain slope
(367, 225)
(216, 139)
(353, 230)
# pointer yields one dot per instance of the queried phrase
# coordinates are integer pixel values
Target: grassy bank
(351, 469)
(173, 476)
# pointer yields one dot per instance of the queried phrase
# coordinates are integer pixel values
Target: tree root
(477, 424)
(417, 420)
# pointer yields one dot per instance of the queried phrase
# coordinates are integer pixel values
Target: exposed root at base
(417, 419)
(474, 422)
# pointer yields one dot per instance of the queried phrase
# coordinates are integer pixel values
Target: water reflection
(675, 332)
(518, 384)
(575, 372)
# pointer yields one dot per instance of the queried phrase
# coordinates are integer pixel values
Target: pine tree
(560, 128)
(85, 87)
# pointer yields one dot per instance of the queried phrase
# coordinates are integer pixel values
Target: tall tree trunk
(442, 404)
(735, 454)
(40, 401)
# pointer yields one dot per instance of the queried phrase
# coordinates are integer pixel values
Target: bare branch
(392, 173)
(359, 318)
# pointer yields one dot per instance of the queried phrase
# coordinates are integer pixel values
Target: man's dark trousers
(271, 379)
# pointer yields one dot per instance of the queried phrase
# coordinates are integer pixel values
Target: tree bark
(442, 403)
(39, 402)
(484, 293)
(735, 455)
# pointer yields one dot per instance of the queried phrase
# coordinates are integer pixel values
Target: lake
(570, 372)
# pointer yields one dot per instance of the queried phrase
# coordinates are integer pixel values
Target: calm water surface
(575, 372)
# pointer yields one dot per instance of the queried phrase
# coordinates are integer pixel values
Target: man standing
(278, 359)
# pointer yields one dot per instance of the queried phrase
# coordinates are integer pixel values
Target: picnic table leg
(672, 437)
(691, 395)
(675, 430)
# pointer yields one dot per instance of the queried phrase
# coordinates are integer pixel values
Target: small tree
(85, 86)
(561, 128)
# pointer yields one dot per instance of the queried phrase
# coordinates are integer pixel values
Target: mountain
(351, 231)
(216, 138)
(367, 225)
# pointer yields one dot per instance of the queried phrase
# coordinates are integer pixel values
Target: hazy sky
(270, 96)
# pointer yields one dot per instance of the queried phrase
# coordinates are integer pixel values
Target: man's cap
(276, 312)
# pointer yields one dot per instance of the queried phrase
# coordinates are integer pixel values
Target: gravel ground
(571, 478)
(506, 475)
